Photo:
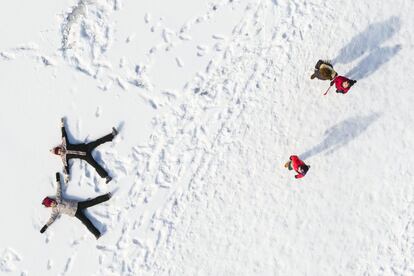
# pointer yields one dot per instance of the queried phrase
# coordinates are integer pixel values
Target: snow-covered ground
(211, 98)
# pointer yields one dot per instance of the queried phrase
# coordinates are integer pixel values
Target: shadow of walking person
(373, 61)
(341, 134)
(369, 39)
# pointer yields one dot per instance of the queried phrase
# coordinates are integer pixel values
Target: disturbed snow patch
(86, 36)
(8, 260)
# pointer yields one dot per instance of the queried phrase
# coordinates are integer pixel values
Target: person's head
(49, 202)
(346, 84)
(303, 169)
(56, 150)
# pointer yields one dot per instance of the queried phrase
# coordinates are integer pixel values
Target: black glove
(332, 83)
(57, 177)
(43, 229)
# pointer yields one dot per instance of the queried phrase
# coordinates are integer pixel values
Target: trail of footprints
(182, 138)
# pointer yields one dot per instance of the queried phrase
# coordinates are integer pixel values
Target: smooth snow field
(210, 98)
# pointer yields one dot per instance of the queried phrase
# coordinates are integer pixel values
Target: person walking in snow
(298, 165)
(83, 151)
(72, 208)
(324, 71)
(342, 84)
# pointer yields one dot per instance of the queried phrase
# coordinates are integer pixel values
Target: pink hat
(55, 150)
(47, 201)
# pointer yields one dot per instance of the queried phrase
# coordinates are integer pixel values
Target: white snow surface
(211, 97)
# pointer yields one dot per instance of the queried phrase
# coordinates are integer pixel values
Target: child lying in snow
(68, 151)
(72, 208)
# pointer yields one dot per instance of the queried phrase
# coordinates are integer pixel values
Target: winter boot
(114, 132)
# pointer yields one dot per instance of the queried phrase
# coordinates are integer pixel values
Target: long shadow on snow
(368, 40)
(372, 62)
(341, 134)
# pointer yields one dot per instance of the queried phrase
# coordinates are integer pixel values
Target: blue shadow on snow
(341, 134)
(372, 62)
(368, 40)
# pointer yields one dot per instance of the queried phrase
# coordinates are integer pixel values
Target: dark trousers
(82, 205)
(89, 158)
(99, 169)
(92, 145)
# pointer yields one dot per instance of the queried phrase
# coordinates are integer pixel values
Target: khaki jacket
(67, 207)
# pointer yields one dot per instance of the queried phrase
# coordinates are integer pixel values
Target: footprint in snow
(179, 62)
(8, 260)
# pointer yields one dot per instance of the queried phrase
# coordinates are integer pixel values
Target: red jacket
(339, 80)
(296, 162)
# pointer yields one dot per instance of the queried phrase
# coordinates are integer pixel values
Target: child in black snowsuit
(68, 151)
(72, 208)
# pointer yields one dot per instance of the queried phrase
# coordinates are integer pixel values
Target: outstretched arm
(52, 219)
(299, 176)
(55, 212)
(59, 188)
(43, 229)
(293, 157)
(66, 169)
(64, 134)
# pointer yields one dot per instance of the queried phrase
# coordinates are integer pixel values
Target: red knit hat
(47, 201)
(56, 150)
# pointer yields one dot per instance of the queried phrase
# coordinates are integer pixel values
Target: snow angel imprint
(82, 151)
(72, 208)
